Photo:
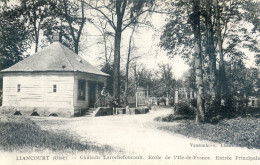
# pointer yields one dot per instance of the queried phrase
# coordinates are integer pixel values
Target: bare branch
(139, 14)
(134, 58)
(83, 20)
(68, 19)
(97, 9)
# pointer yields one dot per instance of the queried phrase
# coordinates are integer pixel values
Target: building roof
(55, 57)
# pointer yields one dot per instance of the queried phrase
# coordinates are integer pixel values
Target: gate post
(176, 96)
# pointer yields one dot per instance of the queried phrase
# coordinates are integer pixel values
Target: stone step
(89, 112)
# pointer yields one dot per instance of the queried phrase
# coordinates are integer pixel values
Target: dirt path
(138, 134)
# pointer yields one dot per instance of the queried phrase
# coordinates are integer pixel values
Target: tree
(14, 38)
(167, 80)
(143, 78)
(195, 18)
(127, 63)
(35, 13)
(222, 74)
(72, 18)
(125, 12)
(68, 18)
(243, 81)
(106, 42)
(222, 37)
(210, 49)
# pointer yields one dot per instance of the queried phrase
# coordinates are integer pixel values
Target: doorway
(91, 93)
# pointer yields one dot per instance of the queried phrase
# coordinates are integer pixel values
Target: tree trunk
(223, 87)
(116, 85)
(127, 65)
(36, 42)
(210, 50)
(135, 75)
(36, 32)
(198, 62)
(120, 10)
(76, 47)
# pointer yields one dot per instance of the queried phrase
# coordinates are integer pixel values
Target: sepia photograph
(169, 82)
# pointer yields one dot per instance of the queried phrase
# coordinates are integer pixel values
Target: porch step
(89, 112)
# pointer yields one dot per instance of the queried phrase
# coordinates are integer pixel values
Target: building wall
(37, 92)
(84, 104)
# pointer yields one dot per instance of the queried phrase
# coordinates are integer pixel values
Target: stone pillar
(167, 101)
(191, 94)
(186, 94)
(176, 96)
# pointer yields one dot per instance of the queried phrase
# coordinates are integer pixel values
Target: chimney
(55, 37)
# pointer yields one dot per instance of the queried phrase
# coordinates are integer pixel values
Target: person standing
(115, 105)
(104, 95)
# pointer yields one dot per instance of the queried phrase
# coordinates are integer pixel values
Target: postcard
(129, 82)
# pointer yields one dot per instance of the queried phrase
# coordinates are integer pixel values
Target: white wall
(37, 90)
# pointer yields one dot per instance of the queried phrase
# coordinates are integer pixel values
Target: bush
(253, 112)
(184, 108)
(174, 117)
(241, 106)
(17, 113)
(213, 110)
(53, 114)
(35, 114)
(233, 107)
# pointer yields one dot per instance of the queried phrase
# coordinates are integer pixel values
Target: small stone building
(53, 80)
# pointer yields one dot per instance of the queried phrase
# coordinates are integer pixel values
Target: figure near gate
(104, 95)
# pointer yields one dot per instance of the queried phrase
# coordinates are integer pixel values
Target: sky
(147, 47)
(146, 41)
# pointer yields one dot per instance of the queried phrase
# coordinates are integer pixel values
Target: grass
(242, 132)
(18, 133)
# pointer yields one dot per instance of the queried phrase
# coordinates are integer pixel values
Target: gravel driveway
(138, 134)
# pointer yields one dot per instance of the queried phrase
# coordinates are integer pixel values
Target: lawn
(22, 134)
(243, 132)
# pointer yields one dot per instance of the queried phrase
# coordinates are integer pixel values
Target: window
(54, 88)
(81, 89)
(18, 87)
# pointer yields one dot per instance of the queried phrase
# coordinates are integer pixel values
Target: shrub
(241, 106)
(17, 113)
(253, 112)
(184, 108)
(193, 103)
(35, 114)
(53, 114)
(213, 110)
(174, 117)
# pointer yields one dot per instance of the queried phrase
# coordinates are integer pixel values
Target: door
(92, 93)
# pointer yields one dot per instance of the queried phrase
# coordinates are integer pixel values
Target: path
(138, 134)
